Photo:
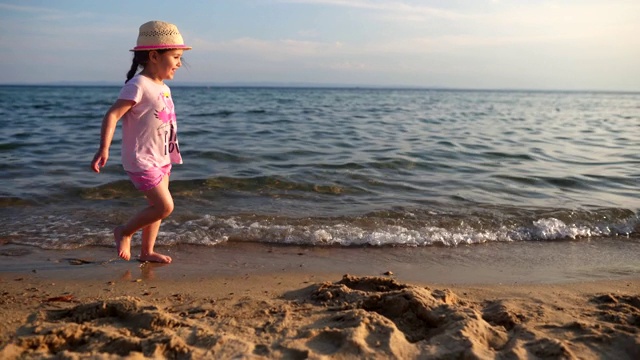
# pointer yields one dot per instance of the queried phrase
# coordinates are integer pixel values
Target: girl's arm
(117, 110)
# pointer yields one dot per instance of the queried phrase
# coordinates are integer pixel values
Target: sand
(253, 301)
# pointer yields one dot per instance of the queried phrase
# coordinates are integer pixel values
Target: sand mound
(418, 320)
(356, 317)
(122, 326)
(404, 321)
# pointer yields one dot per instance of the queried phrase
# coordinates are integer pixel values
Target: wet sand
(238, 300)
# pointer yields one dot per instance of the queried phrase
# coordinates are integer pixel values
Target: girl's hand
(99, 160)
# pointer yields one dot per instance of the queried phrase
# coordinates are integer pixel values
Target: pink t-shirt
(149, 129)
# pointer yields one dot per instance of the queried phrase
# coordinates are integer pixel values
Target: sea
(341, 167)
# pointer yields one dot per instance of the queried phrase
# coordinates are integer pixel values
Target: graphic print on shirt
(168, 129)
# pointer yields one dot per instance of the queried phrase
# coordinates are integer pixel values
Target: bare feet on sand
(123, 243)
(156, 257)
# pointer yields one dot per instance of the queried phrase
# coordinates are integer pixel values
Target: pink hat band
(161, 46)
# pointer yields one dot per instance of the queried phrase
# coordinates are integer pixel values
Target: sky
(468, 44)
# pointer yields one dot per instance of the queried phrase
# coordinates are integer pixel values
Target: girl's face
(167, 63)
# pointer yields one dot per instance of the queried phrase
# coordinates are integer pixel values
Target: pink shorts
(148, 179)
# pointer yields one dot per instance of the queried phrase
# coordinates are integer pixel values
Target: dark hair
(140, 59)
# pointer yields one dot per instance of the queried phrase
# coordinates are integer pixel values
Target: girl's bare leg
(149, 235)
(148, 219)
(123, 243)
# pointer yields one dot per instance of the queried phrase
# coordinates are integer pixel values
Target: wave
(409, 228)
(194, 188)
(378, 231)
(12, 146)
(221, 113)
(113, 190)
(7, 201)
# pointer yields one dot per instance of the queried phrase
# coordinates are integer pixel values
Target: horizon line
(275, 84)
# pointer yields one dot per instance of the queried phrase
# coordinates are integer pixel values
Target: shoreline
(262, 301)
(491, 263)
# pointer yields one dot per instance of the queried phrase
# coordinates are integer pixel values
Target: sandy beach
(259, 301)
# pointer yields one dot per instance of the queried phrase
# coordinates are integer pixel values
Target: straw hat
(157, 35)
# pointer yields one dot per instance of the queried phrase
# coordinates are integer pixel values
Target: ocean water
(332, 167)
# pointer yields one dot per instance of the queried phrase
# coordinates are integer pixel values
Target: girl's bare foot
(123, 243)
(156, 257)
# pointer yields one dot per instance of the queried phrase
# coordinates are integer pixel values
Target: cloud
(284, 49)
(271, 49)
(29, 9)
(397, 7)
(589, 18)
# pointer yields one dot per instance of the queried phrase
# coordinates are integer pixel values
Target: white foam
(58, 232)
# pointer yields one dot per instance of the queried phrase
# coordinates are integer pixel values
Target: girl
(149, 141)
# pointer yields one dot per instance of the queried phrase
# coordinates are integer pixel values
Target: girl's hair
(140, 59)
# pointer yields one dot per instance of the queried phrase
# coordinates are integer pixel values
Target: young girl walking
(149, 141)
